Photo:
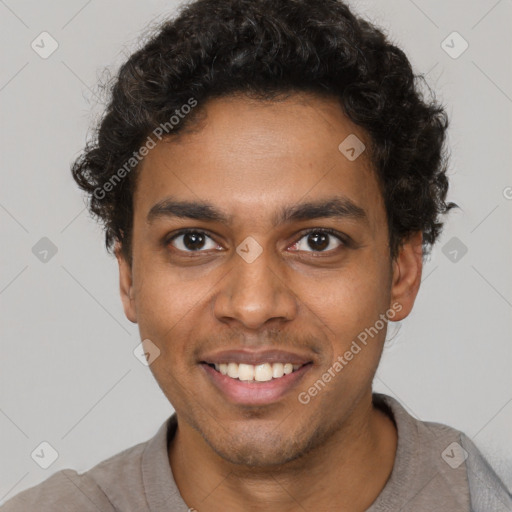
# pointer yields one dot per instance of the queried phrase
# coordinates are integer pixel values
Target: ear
(406, 280)
(126, 284)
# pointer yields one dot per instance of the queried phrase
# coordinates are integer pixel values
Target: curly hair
(267, 48)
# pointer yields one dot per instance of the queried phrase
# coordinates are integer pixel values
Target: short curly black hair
(267, 48)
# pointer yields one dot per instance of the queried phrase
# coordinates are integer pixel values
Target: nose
(254, 294)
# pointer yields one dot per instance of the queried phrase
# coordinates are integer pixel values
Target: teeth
(288, 368)
(233, 370)
(263, 372)
(277, 370)
(259, 373)
(246, 372)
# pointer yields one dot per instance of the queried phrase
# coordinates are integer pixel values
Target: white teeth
(260, 373)
(245, 371)
(277, 370)
(263, 372)
(233, 370)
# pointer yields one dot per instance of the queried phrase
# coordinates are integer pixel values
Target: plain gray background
(68, 375)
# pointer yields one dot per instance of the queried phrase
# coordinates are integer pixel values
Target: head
(292, 142)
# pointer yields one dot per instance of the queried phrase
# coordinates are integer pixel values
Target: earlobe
(407, 268)
(126, 285)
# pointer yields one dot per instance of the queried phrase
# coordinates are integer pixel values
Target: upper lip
(254, 357)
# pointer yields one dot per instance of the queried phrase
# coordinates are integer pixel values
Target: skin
(250, 158)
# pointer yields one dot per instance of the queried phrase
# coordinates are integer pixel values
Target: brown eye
(318, 241)
(192, 241)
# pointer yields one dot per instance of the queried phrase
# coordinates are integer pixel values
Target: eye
(319, 240)
(314, 240)
(192, 241)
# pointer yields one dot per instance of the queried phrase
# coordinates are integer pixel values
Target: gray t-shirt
(437, 468)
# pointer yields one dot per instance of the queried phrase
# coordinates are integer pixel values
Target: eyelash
(344, 239)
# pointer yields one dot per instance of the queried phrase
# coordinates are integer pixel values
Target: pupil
(196, 241)
(319, 239)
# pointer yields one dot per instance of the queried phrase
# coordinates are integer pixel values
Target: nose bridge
(254, 292)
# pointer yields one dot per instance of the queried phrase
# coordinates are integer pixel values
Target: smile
(260, 372)
(255, 385)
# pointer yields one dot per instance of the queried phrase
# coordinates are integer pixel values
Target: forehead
(250, 157)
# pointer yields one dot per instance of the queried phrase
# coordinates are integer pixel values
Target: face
(260, 248)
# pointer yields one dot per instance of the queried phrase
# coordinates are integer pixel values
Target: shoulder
(487, 490)
(456, 449)
(443, 462)
(114, 479)
(459, 453)
(64, 490)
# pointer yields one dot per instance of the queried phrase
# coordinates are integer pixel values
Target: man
(270, 178)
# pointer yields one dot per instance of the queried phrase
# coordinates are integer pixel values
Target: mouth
(245, 378)
(263, 372)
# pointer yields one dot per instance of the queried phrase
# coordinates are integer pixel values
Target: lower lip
(252, 392)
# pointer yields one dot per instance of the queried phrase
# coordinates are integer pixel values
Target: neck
(349, 470)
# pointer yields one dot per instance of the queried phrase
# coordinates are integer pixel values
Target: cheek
(357, 333)
(351, 305)
(355, 299)
(166, 310)
(166, 306)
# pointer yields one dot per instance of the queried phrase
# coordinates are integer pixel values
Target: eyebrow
(338, 207)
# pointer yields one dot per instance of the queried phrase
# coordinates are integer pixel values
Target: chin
(264, 449)
(257, 456)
